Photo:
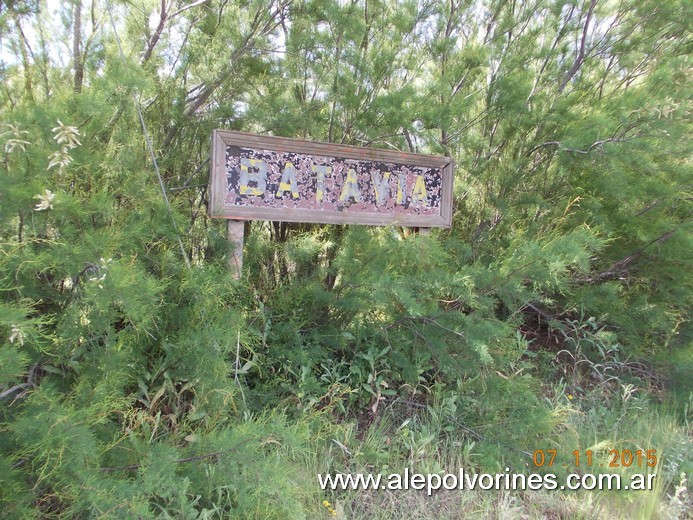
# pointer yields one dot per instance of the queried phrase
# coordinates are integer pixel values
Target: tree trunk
(76, 46)
(25, 50)
(580, 57)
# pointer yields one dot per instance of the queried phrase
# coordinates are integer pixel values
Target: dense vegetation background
(138, 380)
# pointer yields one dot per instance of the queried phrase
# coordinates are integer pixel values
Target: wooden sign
(271, 178)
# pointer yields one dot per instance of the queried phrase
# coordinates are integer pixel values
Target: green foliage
(555, 311)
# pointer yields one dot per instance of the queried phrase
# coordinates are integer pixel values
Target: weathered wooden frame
(218, 175)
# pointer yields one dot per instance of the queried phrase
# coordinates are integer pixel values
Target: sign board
(257, 177)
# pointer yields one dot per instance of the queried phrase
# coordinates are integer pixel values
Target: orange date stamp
(616, 458)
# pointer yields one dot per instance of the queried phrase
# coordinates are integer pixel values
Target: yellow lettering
(321, 171)
(247, 176)
(350, 189)
(401, 188)
(381, 187)
(419, 194)
(288, 181)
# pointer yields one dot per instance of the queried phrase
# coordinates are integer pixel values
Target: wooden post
(235, 235)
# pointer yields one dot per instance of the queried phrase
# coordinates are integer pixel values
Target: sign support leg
(235, 236)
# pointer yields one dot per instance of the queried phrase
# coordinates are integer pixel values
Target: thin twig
(548, 143)
(180, 461)
(577, 150)
(12, 390)
(595, 145)
(197, 170)
(238, 353)
(178, 188)
(29, 383)
(187, 7)
(548, 318)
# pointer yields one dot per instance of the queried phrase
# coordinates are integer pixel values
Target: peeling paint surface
(286, 180)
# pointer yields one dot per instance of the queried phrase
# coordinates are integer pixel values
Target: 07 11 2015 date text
(616, 458)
